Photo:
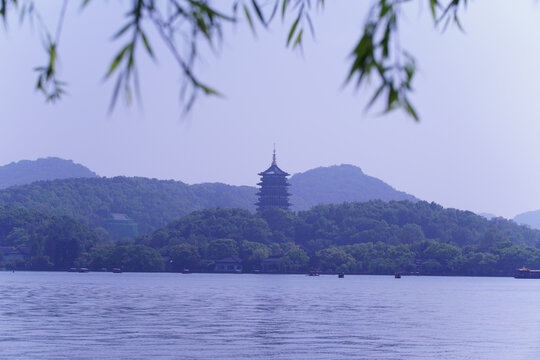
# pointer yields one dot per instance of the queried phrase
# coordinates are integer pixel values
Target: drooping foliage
(378, 54)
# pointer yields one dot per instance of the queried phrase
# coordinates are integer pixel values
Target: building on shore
(273, 192)
(231, 264)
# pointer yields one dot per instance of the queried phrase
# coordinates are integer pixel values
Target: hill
(337, 184)
(28, 171)
(530, 218)
(372, 237)
(153, 203)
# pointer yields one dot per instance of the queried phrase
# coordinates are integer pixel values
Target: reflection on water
(206, 316)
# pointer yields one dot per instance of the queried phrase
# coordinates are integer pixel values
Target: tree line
(373, 237)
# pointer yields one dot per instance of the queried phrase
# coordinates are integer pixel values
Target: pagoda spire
(274, 156)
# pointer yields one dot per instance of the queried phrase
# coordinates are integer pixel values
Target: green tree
(138, 258)
(334, 259)
(65, 240)
(222, 248)
(252, 253)
(281, 223)
(18, 237)
(491, 238)
(184, 256)
(99, 257)
(294, 260)
(411, 233)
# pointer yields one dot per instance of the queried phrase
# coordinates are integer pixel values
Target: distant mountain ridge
(153, 203)
(50, 168)
(337, 184)
(530, 218)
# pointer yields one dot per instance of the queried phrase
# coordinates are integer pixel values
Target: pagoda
(273, 192)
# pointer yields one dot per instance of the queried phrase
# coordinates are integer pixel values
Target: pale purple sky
(476, 147)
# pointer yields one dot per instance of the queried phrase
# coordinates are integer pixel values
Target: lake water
(218, 316)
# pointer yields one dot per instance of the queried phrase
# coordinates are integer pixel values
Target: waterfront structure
(231, 264)
(526, 273)
(273, 192)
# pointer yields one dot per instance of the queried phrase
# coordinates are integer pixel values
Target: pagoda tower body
(274, 188)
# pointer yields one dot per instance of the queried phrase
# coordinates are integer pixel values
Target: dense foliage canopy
(374, 237)
(154, 203)
(47, 242)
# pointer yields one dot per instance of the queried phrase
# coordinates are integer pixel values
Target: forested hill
(28, 171)
(337, 184)
(151, 203)
(373, 237)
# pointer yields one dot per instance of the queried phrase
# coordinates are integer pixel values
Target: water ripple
(206, 316)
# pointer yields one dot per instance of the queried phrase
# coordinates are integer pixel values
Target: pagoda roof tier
(274, 170)
(273, 185)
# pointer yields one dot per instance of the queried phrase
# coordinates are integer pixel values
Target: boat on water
(341, 275)
(186, 271)
(83, 270)
(397, 275)
(313, 273)
(526, 273)
(116, 270)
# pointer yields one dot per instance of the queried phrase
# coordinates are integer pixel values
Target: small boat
(397, 275)
(313, 273)
(116, 270)
(341, 275)
(186, 271)
(83, 270)
(72, 270)
(526, 273)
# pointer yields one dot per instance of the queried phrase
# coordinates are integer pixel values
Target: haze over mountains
(531, 218)
(361, 235)
(61, 189)
(79, 193)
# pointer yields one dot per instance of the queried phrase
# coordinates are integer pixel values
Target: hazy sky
(477, 146)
